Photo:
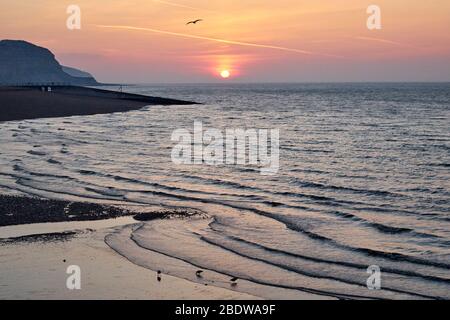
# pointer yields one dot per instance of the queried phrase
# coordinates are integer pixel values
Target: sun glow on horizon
(225, 74)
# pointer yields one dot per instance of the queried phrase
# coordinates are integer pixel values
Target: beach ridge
(33, 102)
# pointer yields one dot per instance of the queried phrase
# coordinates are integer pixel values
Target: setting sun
(225, 74)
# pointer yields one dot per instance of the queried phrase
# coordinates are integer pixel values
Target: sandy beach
(44, 237)
(36, 269)
(35, 258)
(18, 103)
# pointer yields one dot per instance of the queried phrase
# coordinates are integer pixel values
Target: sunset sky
(147, 41)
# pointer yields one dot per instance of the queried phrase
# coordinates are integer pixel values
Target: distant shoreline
(33, 102)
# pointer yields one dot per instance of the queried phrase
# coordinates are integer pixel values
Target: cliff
(23, 63)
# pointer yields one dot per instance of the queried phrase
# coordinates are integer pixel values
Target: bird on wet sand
(194, 21)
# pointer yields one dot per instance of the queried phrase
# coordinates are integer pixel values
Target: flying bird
(194, 21)
(199, 273)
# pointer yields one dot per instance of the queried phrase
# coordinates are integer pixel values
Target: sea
(359, 207)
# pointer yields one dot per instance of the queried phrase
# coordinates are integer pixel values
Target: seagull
(194, 22)
(233, 280)
(199, 273)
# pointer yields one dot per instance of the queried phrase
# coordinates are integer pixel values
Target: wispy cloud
(174, 4)
(231, 42)
(383, 41)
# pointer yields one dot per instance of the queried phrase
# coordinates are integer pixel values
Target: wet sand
(44, 237)
(29, 250)
(48, 249)
(19, 103)
(37, 270)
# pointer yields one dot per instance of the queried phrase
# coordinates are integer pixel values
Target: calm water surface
(363, 180)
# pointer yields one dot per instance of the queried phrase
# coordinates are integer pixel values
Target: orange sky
(257, 40)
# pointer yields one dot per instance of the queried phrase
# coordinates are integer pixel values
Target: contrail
(383, 41)
(238, 43)
(173, 4)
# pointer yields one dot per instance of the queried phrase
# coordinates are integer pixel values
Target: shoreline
(48, 247)
(30, 102)
(38, 236)
(28, 250)
(104, 273)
